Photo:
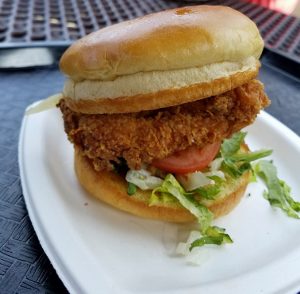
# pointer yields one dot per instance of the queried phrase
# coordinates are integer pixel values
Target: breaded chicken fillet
(145, 136)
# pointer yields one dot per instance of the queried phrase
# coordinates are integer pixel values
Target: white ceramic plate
(97, 249)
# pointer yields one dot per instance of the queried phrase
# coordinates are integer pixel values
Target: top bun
(173, 39)
(162, 51)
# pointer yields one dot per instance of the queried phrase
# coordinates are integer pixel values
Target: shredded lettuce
(158, 198)
(231, 162)
(215, 174)
(171, 185)
(287, 192)
(209, 191)
(235, 170)
(143, 179)
(210, 235)
(213, 235)
(131, 189)
(192, 181)
(218, 180)
(278, 193)
(216, 164)
(232, 145)
(183, 247)
(253, 177)
(235, 163)
(251, 156)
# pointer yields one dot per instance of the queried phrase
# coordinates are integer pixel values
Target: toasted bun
(173, 39)
(112, 189)
(142, 63)
(164, 98)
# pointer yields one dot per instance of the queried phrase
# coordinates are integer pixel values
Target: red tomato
(189, 160)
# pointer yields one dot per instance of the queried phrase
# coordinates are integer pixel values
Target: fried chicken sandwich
(154, 107)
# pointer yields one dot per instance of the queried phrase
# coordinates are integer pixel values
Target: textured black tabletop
(24, 267)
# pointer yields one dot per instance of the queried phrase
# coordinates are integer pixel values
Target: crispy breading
(142, 137)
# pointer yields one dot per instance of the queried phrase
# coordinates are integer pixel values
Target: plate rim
(70, 282)
(42, 236)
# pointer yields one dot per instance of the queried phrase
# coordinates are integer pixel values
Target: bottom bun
(112, 189)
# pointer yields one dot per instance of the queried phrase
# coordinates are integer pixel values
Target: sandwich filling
(180, 153)
(149, 136)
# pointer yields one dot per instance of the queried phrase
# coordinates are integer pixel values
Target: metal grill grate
(281, 32)
(32, 23)
(59, 22)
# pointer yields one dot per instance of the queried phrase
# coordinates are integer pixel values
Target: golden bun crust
(173, 39)
(160, 99)
(112, 189)
(155, 81)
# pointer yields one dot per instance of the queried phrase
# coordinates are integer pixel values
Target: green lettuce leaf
(287, 192)
(209, 191)
(251, 156)
(161, 197)
(213, 235)
(171, 185)
(278, 193)
(233, 169)
(232, 145)
(234, 163)
(253, 178)
(131, 189)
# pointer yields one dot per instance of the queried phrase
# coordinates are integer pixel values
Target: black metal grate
(28, 23)
(59, 22)
(281, 32)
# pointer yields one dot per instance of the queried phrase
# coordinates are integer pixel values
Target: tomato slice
(189, 160)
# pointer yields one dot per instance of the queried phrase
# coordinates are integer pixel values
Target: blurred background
(47, 27)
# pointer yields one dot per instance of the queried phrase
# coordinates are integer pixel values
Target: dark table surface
(24, 267)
